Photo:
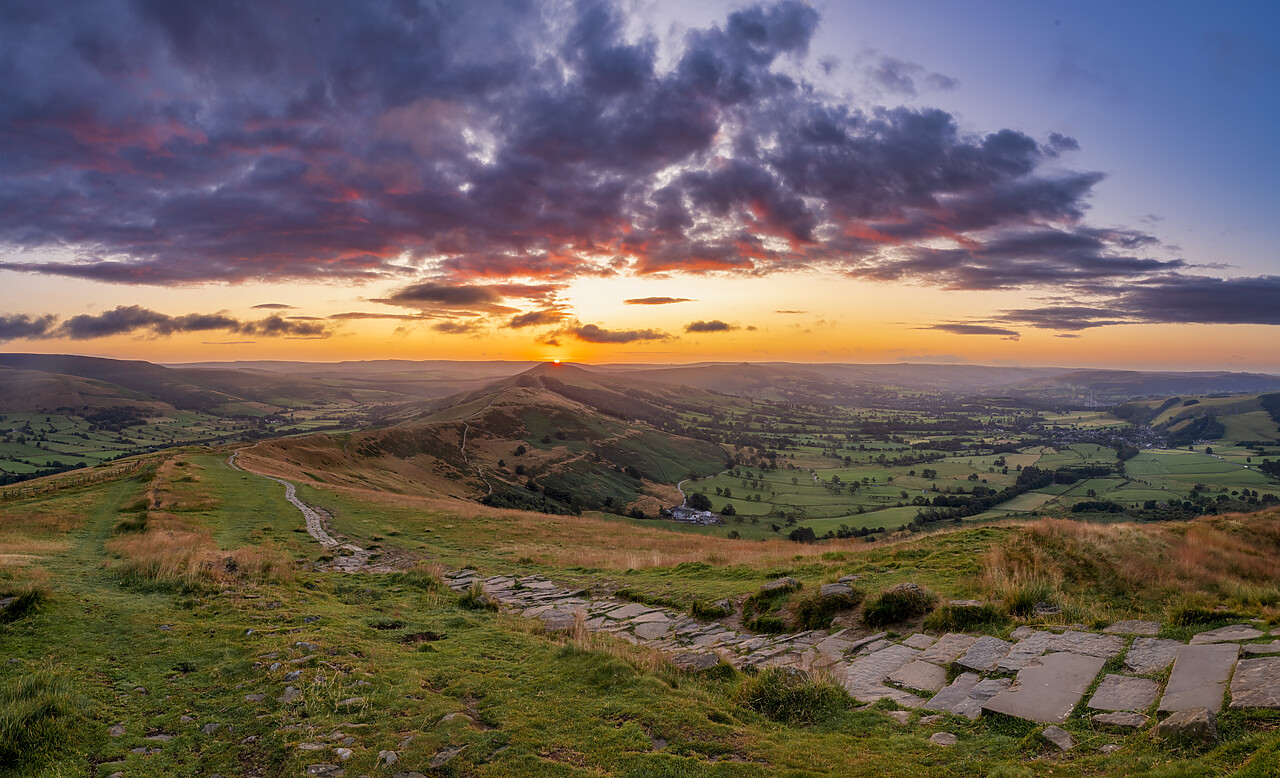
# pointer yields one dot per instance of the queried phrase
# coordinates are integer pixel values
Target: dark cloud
(371, 315)
(592, 333)
(714, 325)
(22, 326)
(484, 147)
(134, 319)
(273, 307)
(457, 327)
(790, 312)
(535, 319)
(656, 300)
(974, 329)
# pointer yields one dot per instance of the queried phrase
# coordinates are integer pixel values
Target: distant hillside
(557, 439)
(422, 379)
(1191, 418)
(184, 389)
(1110, 386)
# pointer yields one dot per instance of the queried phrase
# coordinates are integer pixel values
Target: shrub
(26, 599)
(1184, 615)
(958, 618)
(424, 577)
(475, 599)
(813, 611)
(39, 712)
(1021, 599)
(789, 696)
(898, 603)
(709, 610)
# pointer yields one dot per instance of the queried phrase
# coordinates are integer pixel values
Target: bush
(39, 713)
(475, 599)
(813, 611)
(1183, 615)
(898, 603)
(958, 618)
(789, 696)
(709, 610)
(1021, 599)
(26, 600)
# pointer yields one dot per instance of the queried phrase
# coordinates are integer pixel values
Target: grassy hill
(177, 624)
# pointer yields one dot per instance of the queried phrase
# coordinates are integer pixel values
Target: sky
(1070, 184)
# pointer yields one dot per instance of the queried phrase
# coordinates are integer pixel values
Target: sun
(555, 361)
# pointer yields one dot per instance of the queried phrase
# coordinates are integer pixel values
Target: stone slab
(1121, 719)
(1123, 692)
(864, 678)
(919, 675)
(629, 611)
(1199, 677)
(1262, 648)
(1133, 627)
(984, 654)
(948, 649)
(652, 630)
(971, 707)
(920, 641)
(1256, 684)
(1151, 655)
(1090, 644)
(1227, 634)
(652, 616)
(1026, 650)
(955, 693)
(835, 590)
(1048, 689)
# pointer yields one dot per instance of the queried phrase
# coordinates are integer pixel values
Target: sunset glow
(596, 183)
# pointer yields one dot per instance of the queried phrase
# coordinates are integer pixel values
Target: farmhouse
(687, 515)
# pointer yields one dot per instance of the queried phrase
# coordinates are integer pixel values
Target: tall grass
(791, 697)
(178, 556)
(40, 712)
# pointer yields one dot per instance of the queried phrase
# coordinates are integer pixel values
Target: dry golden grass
(1232, 559)
(176, 486)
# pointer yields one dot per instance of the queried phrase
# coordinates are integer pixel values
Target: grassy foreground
(167, 597)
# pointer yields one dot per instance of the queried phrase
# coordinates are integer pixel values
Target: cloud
(790, 312)
(457, 327)
(133, 319)
(974, 329)
(656, 300)
(22, 326)
(592, 333)
(476, 158)
(714, 325)
(535, 319)
(273, 307)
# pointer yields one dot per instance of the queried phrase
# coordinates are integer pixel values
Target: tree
(729, 510)
(699, 502)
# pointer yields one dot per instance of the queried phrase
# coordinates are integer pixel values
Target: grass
(41, 714)
(544, 705)
(813, 611)
(898, 604)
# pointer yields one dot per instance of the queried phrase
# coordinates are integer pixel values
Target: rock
(865, 676)
(442, 758)
(186, 719)
(211, 728)
(1194, 725)
(1122, 692)
(1149, 628)
(343, 753)
(835, 590)
(723, 605)
(628, 611)
(1023, 632)
(1059, 737)
(413, 774)
(311, 746)
(448, 717)
(310, 619)
(144, 751)
(254, 697)
(1027, 650)
(919, 675)
(944, 739)
(293, 675)
(899, 716)
(1199, 677)
(1122, 719)
(847, 579)
(692, 662)
(1109, 748)
(1042, 609)
(302, 645)
(1089, 644)
(1232, 633)
(948, 649)
(965, 603)
(920, 641)
(325, 771)
(1151, 655)
(1262, 648)
(983, 655)
(1048, 689)
(290, 695)
(350, 702)
(931, 719)
(780, 584)
(116, 730)
(160, 737)
(860, 642)
(652, 630)
(388, 757)
(165, 628)
(1256, 684)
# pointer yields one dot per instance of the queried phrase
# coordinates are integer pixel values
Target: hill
(556, 438)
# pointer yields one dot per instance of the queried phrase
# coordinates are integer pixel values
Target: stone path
(1052, 670)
